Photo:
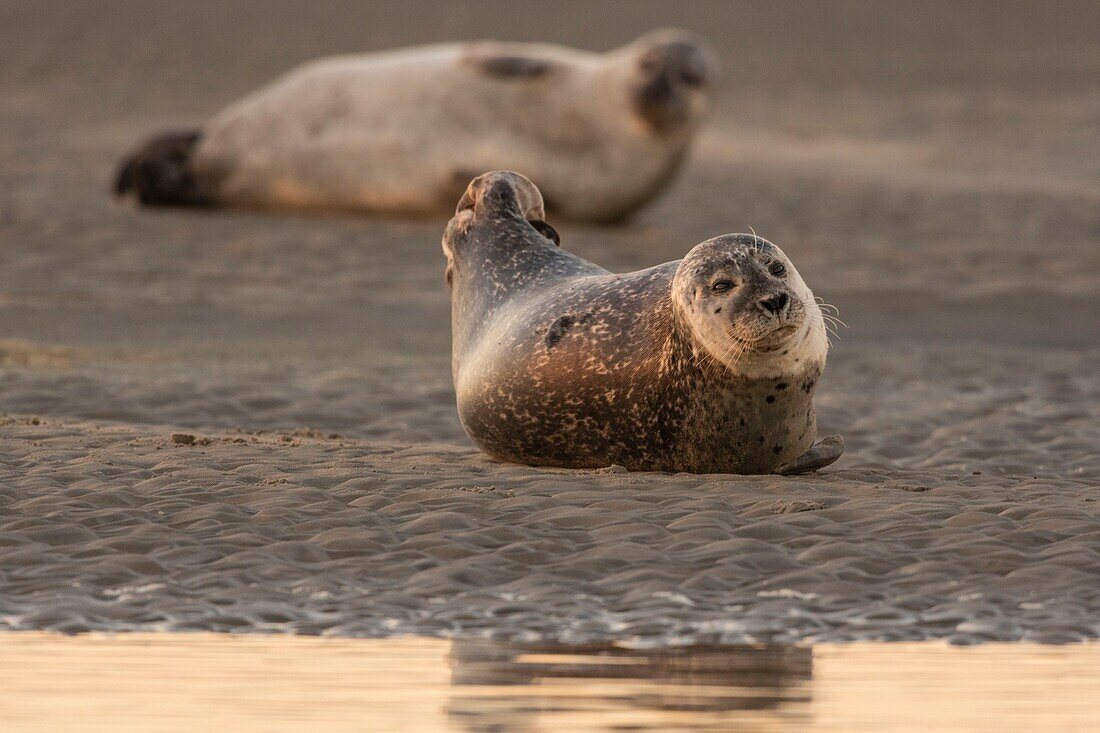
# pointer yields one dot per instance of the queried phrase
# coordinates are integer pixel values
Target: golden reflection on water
(185, 682)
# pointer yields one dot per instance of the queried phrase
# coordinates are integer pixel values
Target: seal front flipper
(820, 455)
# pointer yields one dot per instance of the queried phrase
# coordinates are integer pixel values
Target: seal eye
(722, 286)
(777, 269)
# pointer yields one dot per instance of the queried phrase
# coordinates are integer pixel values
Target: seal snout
(775, 305)
(777, 316)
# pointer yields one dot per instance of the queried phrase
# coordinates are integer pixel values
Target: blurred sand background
(933, 169)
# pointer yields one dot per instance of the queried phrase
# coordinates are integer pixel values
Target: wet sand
(933, 173)
(182, 682)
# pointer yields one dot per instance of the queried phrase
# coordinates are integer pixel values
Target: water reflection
(524, 687)
(185, 682)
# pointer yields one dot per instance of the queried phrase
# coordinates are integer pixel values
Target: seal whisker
(825, 308)
(820, 319)
(729, 359)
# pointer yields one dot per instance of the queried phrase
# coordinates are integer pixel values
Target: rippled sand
(939, 184)
(112, 527)
(184, 682)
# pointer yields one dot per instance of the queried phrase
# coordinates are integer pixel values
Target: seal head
(747, 307)
(670, 72)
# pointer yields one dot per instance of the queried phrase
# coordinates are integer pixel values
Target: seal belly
(540, 417)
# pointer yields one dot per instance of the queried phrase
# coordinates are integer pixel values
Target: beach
(238, 421)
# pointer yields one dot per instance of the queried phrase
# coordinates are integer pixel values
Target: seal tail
(160, 173)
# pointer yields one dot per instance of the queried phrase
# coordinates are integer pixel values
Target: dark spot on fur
(761, 438)
(718, 309)
(557, 330)
(777, 449)
(770, 399)
(808, 385)
(561, 326)
(512, 67)
(742, 421)
(781, 386)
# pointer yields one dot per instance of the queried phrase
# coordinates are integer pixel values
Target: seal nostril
(774, 304)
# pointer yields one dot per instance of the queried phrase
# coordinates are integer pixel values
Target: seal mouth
(771, 340)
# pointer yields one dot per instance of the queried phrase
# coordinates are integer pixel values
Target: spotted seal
(706, 364)
(404, 131)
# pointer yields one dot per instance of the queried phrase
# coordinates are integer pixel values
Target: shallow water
(170, 682)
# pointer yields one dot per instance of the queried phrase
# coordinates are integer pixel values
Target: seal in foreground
(404, 131)
(707, 364)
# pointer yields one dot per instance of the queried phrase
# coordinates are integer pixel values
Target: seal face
(707, 364)
(404, 131)
(671, 74)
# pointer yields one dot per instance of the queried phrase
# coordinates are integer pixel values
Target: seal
(707, 364)
(404, 131)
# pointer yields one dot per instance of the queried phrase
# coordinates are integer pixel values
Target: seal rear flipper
(497, 193)
(161, 173)
(820, 455)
